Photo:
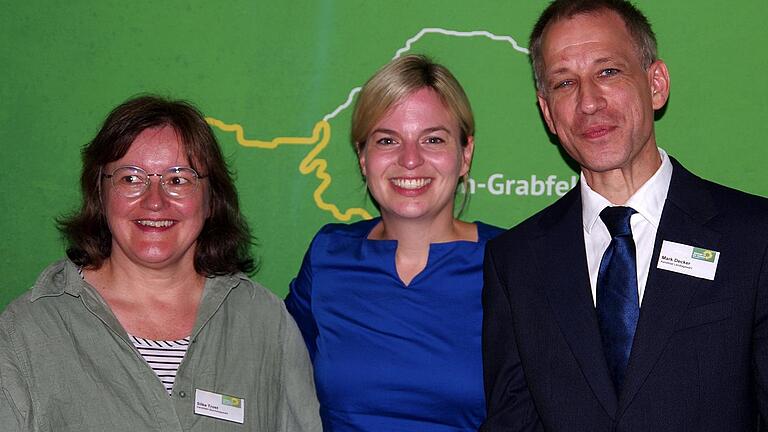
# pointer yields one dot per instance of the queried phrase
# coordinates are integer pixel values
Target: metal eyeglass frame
(148, 182)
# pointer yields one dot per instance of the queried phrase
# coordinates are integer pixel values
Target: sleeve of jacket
(508, 402)
(301, 410)
(760, 343)
(15, 398)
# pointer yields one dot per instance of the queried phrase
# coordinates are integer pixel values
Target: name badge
(688, 260)
(219, 406)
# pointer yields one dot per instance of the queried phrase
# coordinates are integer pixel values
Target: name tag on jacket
(219, 406)
(688, 260)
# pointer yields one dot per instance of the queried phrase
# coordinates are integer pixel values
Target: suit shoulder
(704, 198)
(743, 202)
(737, 209)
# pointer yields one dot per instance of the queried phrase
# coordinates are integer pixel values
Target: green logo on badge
(703, 254)
(231, 401)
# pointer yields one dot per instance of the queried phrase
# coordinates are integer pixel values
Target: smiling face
(596, 96)
(413, 159)
(155, 230)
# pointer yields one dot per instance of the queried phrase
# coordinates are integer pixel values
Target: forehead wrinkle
(565, 61)
(385, 131)
(423, 111)
(155, 148)
(582, 29)
(436, 129)
(427, 130)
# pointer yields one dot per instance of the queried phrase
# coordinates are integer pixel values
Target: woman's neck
(424, 231)
(158, 304)
(414, 238)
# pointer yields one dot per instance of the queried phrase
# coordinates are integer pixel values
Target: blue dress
(391, 357)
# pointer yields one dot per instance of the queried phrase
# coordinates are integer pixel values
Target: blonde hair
(399, 79)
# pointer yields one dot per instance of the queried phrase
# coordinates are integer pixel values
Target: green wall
(280, 69)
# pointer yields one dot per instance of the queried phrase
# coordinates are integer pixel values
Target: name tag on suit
(688, 260)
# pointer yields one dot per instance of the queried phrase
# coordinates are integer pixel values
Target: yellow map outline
(321, 136)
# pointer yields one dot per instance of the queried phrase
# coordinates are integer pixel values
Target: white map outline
(409, 43)
(321, 133)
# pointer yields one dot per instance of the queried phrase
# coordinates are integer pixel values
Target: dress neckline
(387, 248)
(372, 223)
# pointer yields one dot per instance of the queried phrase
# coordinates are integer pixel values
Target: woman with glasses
(390, 307)
(151, 323)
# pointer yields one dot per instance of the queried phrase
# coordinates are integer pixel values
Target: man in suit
(651, 315)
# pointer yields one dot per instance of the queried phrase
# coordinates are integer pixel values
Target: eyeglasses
(132, 181)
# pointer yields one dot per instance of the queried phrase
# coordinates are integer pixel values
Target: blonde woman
(390, 307)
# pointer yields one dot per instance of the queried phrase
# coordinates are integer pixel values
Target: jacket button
(182, 394)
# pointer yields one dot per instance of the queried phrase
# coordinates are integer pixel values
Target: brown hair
(637, 25)
(224, 244)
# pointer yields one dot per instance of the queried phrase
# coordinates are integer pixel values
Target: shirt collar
(59, 278)
(65, 277)
(648, 201)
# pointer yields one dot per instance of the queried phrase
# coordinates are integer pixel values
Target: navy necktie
(618, 306)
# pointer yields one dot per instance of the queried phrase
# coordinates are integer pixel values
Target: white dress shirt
(648, 201)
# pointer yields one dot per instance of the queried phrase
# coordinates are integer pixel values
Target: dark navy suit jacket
(699, 360)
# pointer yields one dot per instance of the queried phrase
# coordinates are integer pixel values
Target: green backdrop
(275, 79)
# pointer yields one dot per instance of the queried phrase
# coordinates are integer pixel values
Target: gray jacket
(66, 363)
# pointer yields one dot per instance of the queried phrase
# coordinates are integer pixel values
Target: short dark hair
(637, 25)
(224, 244)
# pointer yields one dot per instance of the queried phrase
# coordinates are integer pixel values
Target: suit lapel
(687, 209)
(562, 259)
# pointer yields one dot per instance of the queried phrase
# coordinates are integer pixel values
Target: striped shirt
(164, 357)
